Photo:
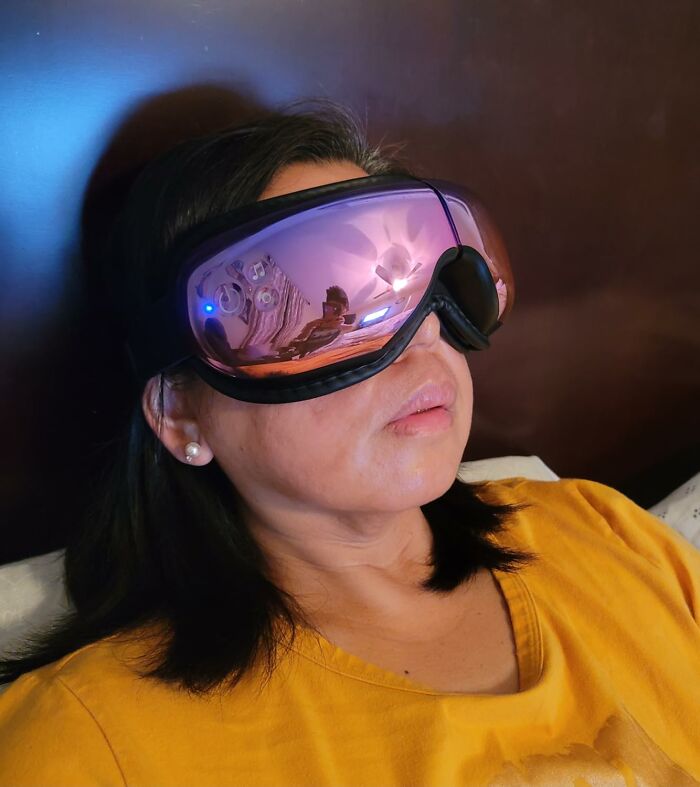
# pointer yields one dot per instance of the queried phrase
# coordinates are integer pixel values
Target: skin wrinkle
(330, 494)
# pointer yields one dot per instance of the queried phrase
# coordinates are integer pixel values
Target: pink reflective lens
(324, 285)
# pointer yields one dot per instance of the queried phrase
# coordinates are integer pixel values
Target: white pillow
(32, 593)
(681, 510)
(506, 467)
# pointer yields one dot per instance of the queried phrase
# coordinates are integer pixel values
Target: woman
(288, 586)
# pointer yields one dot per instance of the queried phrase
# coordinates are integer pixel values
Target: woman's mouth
(425, 422)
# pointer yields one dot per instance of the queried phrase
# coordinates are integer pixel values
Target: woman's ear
(176, 426)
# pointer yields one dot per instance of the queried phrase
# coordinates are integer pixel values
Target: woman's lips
(431, 421)
(428, 396)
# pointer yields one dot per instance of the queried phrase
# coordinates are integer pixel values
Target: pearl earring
(192, 450)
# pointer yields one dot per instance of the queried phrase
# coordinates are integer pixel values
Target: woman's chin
(422, 485)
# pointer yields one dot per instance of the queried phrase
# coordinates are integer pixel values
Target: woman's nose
(426, 336)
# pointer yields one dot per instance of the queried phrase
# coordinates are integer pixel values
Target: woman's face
(335, 454)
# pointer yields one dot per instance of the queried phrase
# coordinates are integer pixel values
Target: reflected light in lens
(374, 315)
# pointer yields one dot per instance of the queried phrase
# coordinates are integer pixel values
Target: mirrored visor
(321, 286)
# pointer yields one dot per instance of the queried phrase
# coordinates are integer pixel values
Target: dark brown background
(577, 123)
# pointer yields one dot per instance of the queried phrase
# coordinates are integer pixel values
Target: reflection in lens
(229, 298)
(256, 270)
(320, 286)
(266, 298)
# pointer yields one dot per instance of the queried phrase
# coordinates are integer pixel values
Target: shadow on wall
(71, 386)
(150, 129)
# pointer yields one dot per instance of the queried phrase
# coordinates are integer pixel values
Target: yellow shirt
(606, 625)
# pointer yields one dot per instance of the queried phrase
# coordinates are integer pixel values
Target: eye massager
(304, 294)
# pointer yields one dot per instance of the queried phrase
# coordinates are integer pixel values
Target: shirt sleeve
(49, 738)
(673, 556)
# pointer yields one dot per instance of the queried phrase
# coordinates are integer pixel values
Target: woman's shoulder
(107, 660)
(108, 679)
(110, 669)
(58, 723)
(584, 503)
(575, 506)
(586, 530)
(78, 720)
(49, 728)
(580, 510)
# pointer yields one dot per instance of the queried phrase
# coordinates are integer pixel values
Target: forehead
(308, 175)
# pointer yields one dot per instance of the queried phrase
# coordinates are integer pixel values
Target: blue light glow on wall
(72, 73)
